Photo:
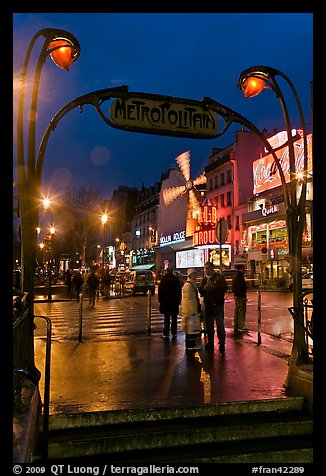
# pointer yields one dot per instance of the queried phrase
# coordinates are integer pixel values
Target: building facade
(229, 184)
(144, 227)
(116, 232)
(265, 235)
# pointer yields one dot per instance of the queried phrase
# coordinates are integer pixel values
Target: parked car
(140, 282)
(307, 281)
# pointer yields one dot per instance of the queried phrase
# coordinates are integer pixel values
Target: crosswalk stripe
(112, 317)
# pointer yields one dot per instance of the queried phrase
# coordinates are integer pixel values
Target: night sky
(187, 55)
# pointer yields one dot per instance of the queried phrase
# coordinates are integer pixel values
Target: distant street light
(64, 49)
(104, 220)
(46, 202)
(252, 81)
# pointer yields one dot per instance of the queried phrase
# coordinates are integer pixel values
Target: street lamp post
(64, 49)
(252, 81)
(51, 260)
(104, 219)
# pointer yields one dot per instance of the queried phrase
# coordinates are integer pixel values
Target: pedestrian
(239, 288)
(98, 274)
(213, 289)
(68, 282)
(106, 280)
(169, 298)
(122, 284)
(190, 322)
(77, 282)
(93, 285)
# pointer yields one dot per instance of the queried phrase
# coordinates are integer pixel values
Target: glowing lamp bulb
(63, 54)
(104, 218)
(252, 86)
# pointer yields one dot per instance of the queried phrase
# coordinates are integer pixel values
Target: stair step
(149, 435)
(262, 450)
(270, 430)
(92, 419)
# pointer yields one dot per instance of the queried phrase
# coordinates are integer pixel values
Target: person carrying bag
(190, 320)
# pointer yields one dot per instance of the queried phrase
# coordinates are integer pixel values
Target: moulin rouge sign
(205, 231)
(265, 171)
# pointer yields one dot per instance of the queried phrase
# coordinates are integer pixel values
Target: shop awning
(142, 267)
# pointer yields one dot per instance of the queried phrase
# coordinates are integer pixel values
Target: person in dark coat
(93, 284)
(77, 281)
(239, 287)
(68, 282)
(106, 281)
(213, 289)
(169, 298)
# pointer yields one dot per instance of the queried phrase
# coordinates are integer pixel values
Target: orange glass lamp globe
(252, 86)
(62, 53)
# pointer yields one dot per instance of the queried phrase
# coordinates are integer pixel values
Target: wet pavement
(129, 372)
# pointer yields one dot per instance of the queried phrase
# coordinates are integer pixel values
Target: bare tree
(80, 215)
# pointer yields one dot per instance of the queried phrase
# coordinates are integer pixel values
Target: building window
(258, 236)
(229, 222)
(222, 178)
(237, 222)
(222, 200)
(228, 176)
(216, 181)
(277, 237)
(228, 198)
(210, 186)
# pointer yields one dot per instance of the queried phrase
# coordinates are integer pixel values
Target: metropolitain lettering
(156, 114)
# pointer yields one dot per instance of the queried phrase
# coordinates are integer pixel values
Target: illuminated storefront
(265, 233)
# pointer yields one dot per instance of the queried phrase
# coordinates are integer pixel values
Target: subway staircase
(259, 431)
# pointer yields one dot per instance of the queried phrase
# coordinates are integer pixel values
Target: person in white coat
(190, 321)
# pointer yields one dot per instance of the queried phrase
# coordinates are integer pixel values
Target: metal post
(46, 401)
(259, 317)
(221, 267)
(50, 283)
(80, 337)
(149, 294)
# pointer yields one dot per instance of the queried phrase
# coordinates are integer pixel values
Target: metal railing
(307, 304)
(21, 328)
(46, 397)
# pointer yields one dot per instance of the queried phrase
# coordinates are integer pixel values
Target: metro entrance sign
(140, 112)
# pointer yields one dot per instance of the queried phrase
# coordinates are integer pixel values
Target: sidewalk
(141, 372)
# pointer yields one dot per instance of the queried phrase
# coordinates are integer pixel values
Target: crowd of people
(202, 303)
(202, 306)
(92, 283)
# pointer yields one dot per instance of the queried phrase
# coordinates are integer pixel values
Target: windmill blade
(200, 180)
(170, 194)
(183, 160)
(193, 201)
